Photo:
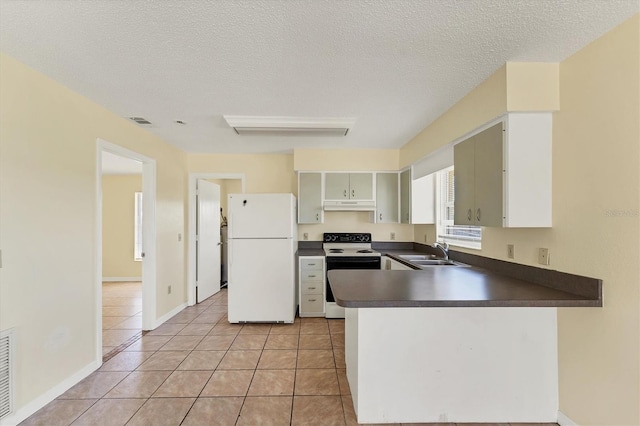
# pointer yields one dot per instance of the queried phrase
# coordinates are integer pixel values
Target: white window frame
(443, 224)
(137, 227)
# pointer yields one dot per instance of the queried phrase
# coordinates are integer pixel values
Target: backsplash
(356, 222)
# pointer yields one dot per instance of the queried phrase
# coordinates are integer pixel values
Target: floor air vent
(6, 374)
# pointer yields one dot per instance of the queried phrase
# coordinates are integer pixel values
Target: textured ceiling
(394, 65)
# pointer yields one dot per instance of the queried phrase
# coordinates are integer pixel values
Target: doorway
(204, 261)
(126, 304)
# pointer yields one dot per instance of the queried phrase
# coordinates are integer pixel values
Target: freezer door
(261, 280)
(261, 215)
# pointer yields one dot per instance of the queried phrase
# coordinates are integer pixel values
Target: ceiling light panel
(309, 126)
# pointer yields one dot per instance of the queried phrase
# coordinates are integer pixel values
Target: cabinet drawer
(311, 264)
(311, 303)
(311, 275)
(311, 288)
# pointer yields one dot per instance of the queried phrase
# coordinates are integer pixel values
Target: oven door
(348, 262)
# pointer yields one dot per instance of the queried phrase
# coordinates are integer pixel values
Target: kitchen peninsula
(452, 344)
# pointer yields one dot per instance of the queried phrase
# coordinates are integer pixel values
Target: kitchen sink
(434, 262)
(416, 257)
(428, 260)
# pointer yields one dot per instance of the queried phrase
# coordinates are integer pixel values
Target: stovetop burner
(338, 245)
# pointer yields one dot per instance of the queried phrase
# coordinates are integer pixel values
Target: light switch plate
(305, 236)
(393, 236)
(543, 256)
(510, 251)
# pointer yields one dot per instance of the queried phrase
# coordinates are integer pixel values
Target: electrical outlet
(510, 251)
(393, 236)
(305, 236)
(543, 256)
(169, 290)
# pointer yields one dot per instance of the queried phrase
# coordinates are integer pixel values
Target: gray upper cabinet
(349, 186)
(336, 186)
(387, 197)
(503, 175)
(478, 175)
(310, 198)
(405, 196)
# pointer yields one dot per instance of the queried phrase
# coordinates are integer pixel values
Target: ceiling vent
(141, 121)
(300, 126)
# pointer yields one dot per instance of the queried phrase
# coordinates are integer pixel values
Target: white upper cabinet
(503, 174)
(349, 186)
(423, 200)
(386, 197)
(310, 197)
(405, 196)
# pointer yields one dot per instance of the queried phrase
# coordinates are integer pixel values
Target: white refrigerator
(262, 242)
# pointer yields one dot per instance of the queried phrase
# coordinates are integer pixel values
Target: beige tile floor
(197, 369)
(121, 313)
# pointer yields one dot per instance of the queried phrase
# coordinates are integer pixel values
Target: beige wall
(48, 287)
(356, 222)
(262, 172)
(118, 226)
(596, 171)
(596, 227)
(346, 160)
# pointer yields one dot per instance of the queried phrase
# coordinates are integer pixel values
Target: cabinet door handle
(317, 216)
(380, 216)
(311, 288)
(345, 193)
(311, 300)
(353, 192)
(312, 276)
(311, 264)
(469, 215)
(478, 215)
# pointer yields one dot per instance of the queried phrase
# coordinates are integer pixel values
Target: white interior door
(208, 240)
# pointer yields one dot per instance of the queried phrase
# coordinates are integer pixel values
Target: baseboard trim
(563, 420)
(169, 315)
(23, 413)
(121, 279)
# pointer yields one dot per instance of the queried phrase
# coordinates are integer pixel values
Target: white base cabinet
(428, 365)
(311, 280)
(394, 265)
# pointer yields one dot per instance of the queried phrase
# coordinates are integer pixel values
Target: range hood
(350, 206)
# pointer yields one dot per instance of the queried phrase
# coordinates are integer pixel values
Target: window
(459, 235)
(137, 231)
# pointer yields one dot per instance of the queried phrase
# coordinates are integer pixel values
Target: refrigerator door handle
(229, 252)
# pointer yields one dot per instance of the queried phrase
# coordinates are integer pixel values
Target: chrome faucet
(444, 248)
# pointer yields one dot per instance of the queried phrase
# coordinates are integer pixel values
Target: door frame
(148, 239)
(193, 209)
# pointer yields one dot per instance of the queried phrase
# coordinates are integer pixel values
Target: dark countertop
(310, 252)
(445, 286)
(485, 282)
